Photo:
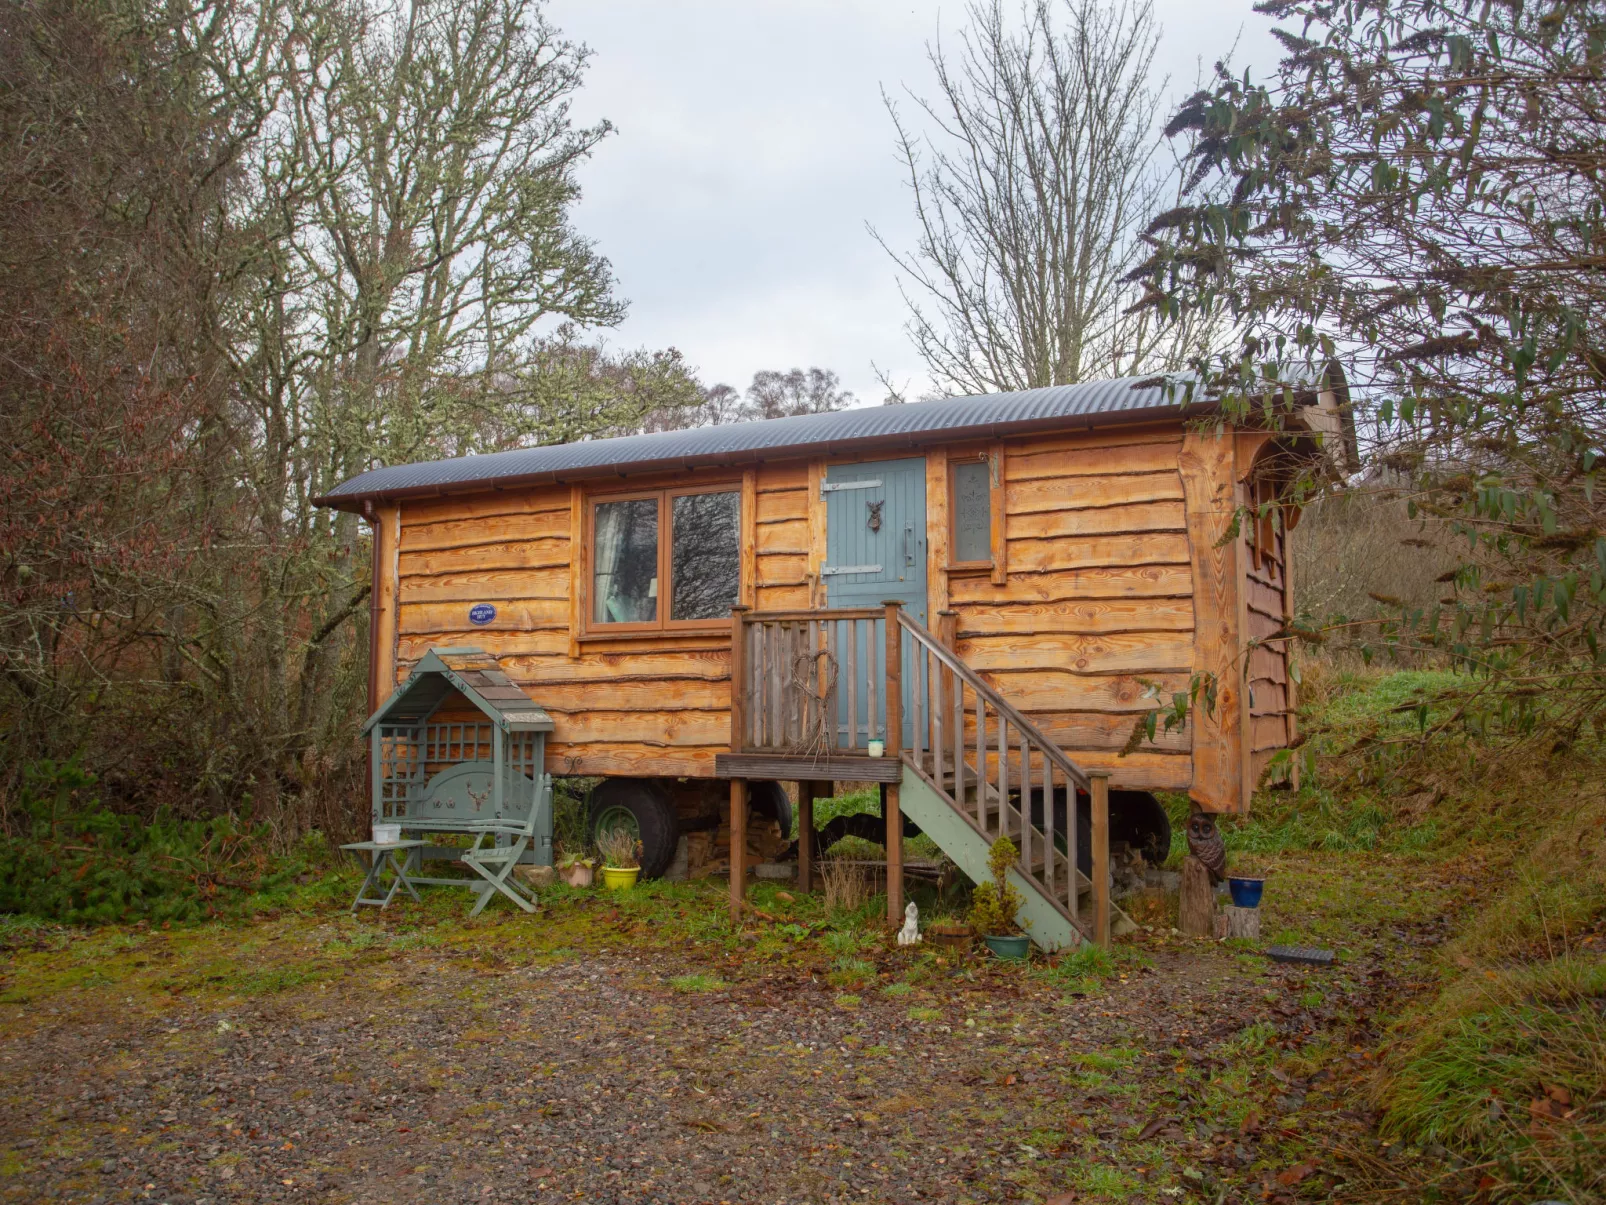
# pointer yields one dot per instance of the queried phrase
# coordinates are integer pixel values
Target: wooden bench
(463, 800)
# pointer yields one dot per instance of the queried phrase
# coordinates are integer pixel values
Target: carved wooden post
(1196, 901)
(738, 857)
(738, 679)
(894, 749)
(1101, 855)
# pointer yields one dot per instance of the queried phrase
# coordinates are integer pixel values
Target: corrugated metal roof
(1129, 400)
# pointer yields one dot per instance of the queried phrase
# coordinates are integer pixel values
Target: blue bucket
(1246, 892)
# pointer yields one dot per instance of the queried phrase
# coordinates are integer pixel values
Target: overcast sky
(752, 148)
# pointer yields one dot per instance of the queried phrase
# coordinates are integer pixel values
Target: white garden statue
(909, 935)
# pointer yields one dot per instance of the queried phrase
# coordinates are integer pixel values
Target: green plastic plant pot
(616, 877)
(1014, 948)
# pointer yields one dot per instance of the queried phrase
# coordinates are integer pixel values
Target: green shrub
(81, 863)
(994, 903)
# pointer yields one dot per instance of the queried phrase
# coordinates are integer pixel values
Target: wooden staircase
(1026, 789)
(816, 688)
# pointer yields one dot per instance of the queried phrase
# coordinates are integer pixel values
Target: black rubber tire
(768, 799)
(1136, 817)
(649, 803)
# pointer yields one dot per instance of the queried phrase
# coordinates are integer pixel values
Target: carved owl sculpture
(1205, 843)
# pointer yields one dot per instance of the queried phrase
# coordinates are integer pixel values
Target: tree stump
(1243, 922)
(1197, 905)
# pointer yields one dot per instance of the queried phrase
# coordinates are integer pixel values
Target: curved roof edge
(1095, 403)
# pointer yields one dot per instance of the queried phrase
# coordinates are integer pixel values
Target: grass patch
(697, 982)
(1514, 1063)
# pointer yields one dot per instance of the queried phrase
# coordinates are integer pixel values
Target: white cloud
(752, 148)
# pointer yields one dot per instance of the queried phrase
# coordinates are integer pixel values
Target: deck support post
(738, 858)
(889, 807)
(808, 841)
(894, 749)
(1100, 782)
(805, 834)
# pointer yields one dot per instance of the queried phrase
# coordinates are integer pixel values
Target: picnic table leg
(398, 860)
(370, 879)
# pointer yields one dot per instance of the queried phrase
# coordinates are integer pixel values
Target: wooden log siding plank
(1265, 599)
(512, 615)
(1264, 627)
(783, 506)
(540, 673)
(494, 529)
(1048, 689)
(1267, 698)
(487, 586)
(644, 694)
(485, 504)
(649, 729)
(550, 553)
(790, 538)
(1097, 551)
(1058, 455)
(792, 475)
(1118, 652)
(1141, 581)
(1113, 615)
(783, 598)
(1084, 730)
(634, 760)
(1140, 517)
(790, 569)
(1267, 732)
(1267, 662)
(1091, 493)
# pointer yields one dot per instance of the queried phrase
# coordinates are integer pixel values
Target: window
(687, 539)
(972, 510)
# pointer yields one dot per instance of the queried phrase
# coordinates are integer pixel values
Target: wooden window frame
(590, 629)
(993, 458)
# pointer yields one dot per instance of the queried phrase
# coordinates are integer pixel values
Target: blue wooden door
(875, 525)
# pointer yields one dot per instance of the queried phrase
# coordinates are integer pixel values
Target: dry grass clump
(845, 883)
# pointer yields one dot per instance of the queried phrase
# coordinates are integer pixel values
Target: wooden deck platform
(808, 767)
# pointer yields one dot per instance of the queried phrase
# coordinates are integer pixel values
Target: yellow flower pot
(616, 877)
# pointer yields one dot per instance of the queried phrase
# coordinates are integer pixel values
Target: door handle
(908, 532)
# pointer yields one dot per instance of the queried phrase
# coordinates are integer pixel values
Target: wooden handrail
(997, 701)
(794, 616)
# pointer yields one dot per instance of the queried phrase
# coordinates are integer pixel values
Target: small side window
(972, 513)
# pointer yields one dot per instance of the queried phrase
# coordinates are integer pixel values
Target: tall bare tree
(1031, 193)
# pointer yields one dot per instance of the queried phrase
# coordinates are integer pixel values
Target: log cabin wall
(648, 706)
(1092, 595)
(1092, 591)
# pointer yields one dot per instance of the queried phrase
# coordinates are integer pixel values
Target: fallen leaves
(1296, 1174)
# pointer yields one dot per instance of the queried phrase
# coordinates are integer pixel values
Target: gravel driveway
(426, 1077)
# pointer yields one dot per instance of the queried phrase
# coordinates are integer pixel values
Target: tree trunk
(1243, 922)
(1196, 908)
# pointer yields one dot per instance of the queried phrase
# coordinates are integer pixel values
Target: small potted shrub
(621, 858)
(575, 869)
(994, 904)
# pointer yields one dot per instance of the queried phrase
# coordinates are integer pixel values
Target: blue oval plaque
(481, 613)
